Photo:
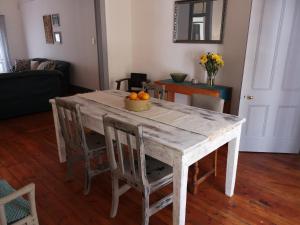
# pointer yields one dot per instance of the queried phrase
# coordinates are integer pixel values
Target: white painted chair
(155, 91)
(14, 209)
(214, 104)
(130, 165)
(208, 102)
(91, 145)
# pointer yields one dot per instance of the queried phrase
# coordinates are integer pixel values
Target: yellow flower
(220, 61)
(203, 59)
(216, 57)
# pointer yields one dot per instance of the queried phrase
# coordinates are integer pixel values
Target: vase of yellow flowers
(212, 62)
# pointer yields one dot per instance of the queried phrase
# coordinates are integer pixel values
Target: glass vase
(211, 80)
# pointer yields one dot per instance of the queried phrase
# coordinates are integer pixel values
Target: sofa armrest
(15, 75)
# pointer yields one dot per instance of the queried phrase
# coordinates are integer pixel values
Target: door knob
(250, 97)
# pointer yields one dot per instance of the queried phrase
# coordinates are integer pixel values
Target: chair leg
(88, 177)
(146, 208)
(195, 178)
(115, 197)
(100, 159)
(216, 162)
(69, 168)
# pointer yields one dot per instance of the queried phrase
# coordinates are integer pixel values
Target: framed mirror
(199, 21)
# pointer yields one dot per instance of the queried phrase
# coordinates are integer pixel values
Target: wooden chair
(143, 173)
(156, 91)
(213, 104)
(91, 146)
(14, 209)
(134, 83)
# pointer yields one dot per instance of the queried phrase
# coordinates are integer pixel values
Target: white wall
(154, 52)
(119, 39)
(78, 28)
(140, 40)
(153, 49)
(14, 27)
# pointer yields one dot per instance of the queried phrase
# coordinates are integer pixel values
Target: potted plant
(212, 62)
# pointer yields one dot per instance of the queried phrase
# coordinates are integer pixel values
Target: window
(2, 65)
(4, 53)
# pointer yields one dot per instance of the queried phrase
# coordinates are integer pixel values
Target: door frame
(101, 36)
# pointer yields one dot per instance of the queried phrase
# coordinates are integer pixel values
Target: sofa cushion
(22, 65)
(61, 66)
(34, 65)
(47, 65)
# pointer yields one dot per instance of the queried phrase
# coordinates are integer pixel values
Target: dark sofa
(29, 91)
(64, 69)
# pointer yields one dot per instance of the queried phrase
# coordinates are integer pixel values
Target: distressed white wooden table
(176, 134)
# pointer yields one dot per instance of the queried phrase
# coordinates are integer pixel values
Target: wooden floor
(267, 188)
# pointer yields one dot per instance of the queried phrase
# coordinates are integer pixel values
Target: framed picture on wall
(55, 20)
(57, 37)
(48, 29)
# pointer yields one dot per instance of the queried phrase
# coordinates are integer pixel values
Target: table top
(174, 125)
(225, 92)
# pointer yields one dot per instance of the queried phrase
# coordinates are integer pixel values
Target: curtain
(5, 63)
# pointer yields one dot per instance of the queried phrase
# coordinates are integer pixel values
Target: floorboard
(267, 186)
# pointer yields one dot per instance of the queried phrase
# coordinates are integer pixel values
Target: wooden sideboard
(187, 88)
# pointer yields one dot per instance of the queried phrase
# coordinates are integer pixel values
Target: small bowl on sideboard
(178, 77)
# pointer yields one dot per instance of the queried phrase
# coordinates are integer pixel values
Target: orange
(140, 94)
(145, 96)
(133, 96)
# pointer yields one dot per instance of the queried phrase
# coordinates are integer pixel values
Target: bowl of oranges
(138, 102)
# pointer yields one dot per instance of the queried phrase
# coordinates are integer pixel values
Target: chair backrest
(208, 102)
(70, 121)
(136, 80)
(156, 91)
(14, 207)
(129, 161)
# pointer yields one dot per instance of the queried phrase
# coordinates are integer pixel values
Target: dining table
(176, 134)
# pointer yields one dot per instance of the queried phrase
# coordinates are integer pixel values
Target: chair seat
(159, 174)
(16, 209)
(95, 141)
(156, 169)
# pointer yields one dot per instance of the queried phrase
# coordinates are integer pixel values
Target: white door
(270, 98)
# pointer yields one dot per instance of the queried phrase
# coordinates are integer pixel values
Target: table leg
(60, 141)
(232, 160)
(180, 178)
